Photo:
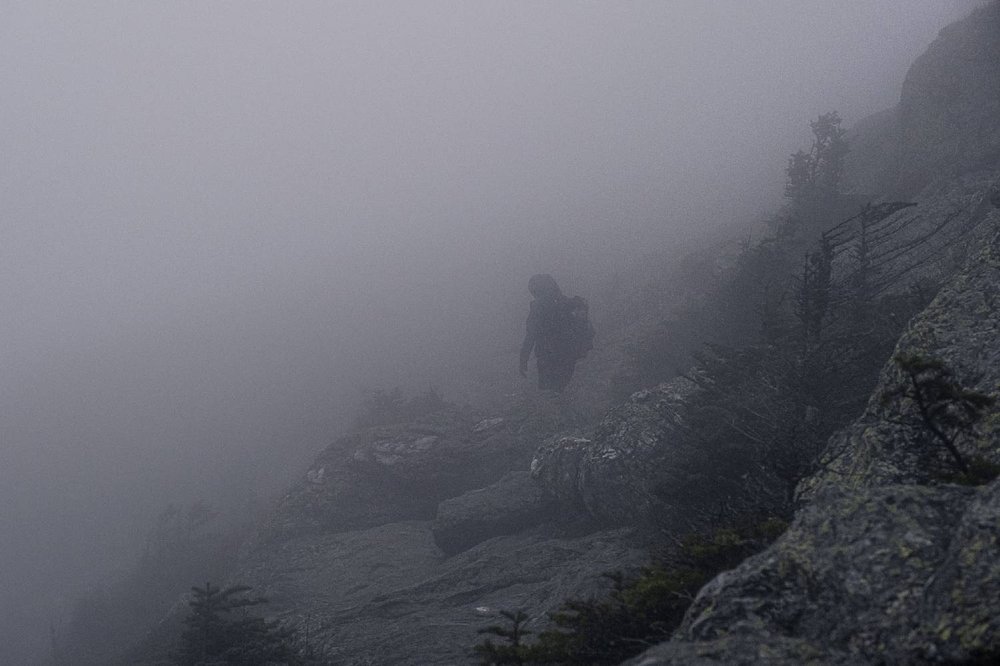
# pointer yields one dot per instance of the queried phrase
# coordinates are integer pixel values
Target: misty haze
(265, 281)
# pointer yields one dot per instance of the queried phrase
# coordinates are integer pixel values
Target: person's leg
(562, 374)
(547, 373)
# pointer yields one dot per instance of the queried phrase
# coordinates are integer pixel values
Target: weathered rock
(962, 603)
(960, 328)
(881, 566)
(877, 568)
(947, 122)
(447, 451)
(513, 504)
(401, 472)
(387, 595)
(894, 575)
(614, 473)
(745, 646)
(556, 466)
(949, 111)
(639, 466)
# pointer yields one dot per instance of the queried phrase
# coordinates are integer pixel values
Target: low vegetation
(943, 418)
(637, 614)
(221, 631)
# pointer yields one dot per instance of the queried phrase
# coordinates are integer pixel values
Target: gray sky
(217, 221)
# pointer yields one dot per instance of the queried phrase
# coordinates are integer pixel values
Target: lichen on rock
(620, 473)
(960, 329)
(901, 574)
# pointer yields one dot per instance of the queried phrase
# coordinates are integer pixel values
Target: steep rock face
(632, 468)
(894, 575)
(881, 566)
(872, 162)
(884, 564)
(949, 111)
(947, 122)
(959, 328)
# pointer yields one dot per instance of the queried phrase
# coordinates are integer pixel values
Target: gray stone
(745, 646)
(895, 575)
(388, 595)
(947, 122)
(960, 328)
(949, 111)
(640, 465)
(400, 472)
(511, 505)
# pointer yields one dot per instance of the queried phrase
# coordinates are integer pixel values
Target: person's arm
(530, 334)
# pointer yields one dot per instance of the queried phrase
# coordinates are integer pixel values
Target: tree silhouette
(940, 410)
(220, 632)
(818, 171)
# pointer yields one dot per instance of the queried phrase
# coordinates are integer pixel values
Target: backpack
(579, 331)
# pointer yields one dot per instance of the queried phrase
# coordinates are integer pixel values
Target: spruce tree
(221, 632)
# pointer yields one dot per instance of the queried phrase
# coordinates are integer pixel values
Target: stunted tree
(818, 171)
(769, 408)
(812, 301)
(221, 632)
(942, 414)
(511, 651)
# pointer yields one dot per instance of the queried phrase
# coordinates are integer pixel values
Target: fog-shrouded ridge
(219, 221)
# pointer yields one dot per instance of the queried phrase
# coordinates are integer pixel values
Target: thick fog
(219, 222)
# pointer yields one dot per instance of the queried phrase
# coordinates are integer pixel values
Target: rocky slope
(402, 540)
(959, 328)
(899, 574)
(945, 123)
(886, 564)
(882, 565)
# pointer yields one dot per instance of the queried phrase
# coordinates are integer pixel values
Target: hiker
(558, 331)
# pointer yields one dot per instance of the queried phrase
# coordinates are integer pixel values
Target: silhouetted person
(558, 331)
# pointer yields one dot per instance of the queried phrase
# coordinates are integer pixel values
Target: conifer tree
(220, 632)
(945, 413)
(818, 171)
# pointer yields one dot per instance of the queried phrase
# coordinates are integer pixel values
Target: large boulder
(646, 465)
(896, 575)
(959, 328)
(401, 472)
(626, 471)
(513, 504)
(401, 541)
